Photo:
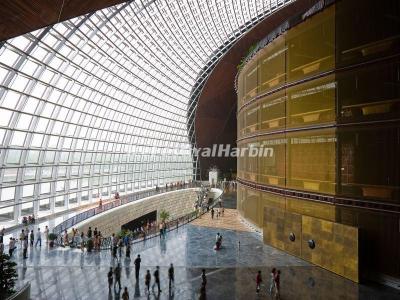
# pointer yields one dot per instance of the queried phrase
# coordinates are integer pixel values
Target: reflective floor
(65, 273)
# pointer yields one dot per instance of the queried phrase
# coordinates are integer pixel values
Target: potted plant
(164, 215)
(52, 238)
(90, 245)
(8, 276)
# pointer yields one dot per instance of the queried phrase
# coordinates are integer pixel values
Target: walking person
(277, 280)
(117, 275)
(1, 247)
(110, 279)
(125, 294)
(212, 213)
(147, 279)
(137, 262)
(25, 247)
(156, 275)
(38, 238)
(171, 276)
(258, 282)
(272, 281)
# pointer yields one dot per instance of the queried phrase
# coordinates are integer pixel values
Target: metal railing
(69, 223)
(135, 238)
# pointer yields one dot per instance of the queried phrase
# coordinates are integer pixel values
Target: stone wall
(177, 203)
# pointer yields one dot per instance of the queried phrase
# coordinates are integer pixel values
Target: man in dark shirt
(89, 233)
(156, 275)
(137, 266)
(171, 275)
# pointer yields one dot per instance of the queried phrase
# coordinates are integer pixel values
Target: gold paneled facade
(325, 103)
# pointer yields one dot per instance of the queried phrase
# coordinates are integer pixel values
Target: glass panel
(311, 46)
(362, 150)
(272, 65)
(273, 112)
(371, 93)
(311, 161)
(312, 102)
(273, 160)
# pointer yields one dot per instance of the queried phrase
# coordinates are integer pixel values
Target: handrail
(106, 243)
(115, 203)
(23, 293)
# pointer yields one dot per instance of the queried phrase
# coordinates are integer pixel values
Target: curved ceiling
(101, 103)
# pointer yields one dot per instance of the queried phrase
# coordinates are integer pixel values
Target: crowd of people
(114, 279)
(27, 237)
(28, 220)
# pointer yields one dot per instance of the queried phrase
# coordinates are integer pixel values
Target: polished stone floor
(64, 273)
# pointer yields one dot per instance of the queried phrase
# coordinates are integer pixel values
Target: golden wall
(292, 97)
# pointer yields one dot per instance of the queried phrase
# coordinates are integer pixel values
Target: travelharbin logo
(228, 151)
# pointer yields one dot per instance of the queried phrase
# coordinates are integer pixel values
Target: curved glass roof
(101, 103)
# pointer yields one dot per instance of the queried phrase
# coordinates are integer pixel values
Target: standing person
(114, 245)
(156, 275)
(171, 275)
(203, 278)
(212, 213)
(217, 237)
(117, 274)
(277, 280)
(25, 247)
(32, 237)
(128, 251)
(89, 233)
(110, 279)
(11, 246)
(66, 238)
(22, 237)
(82, 241)
(147, 279)
(1, 247)
(2, 232)
(46, 234)
(125, 294)
(137, 262)
(120, 244)
(258, 282)
(272, 281)
(161, 230)
(95, 232)
(38, 238)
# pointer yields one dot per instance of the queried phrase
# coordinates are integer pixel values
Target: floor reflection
(64, 273)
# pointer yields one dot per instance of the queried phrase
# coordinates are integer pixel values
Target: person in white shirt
(11, 247)
(46, 234)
